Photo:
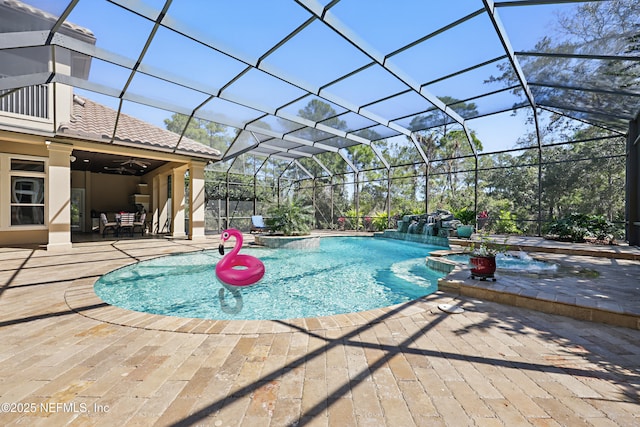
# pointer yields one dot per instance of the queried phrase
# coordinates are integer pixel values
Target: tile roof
(96, 122)
(27, 9)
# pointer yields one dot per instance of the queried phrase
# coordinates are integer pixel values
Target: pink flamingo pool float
(237, 269)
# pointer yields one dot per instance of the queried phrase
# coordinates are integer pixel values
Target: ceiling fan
(121, 170)
(133, 163)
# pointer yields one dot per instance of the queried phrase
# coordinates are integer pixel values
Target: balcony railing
(30, 101)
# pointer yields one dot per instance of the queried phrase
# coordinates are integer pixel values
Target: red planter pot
(484, 267)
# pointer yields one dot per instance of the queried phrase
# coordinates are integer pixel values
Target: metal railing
(30, 101)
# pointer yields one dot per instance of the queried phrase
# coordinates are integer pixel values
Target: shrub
(353, 222)
(380, 221)
(465, 216)
(506, 223)
(576, 227)
(290, 219)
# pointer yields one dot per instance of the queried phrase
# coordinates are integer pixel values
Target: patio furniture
(257, 224)
(105, 225)
(140, 223)
(126, 222)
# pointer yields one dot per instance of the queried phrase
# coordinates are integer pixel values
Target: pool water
(518, 262)
(345, 275)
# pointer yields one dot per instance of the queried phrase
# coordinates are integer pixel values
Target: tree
(450, 155)
(204, 131)
(240, 188)
(592, 28)
(319, 111)
(586, 175)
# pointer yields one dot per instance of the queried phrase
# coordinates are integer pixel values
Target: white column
(59, 196)
(177, 198)
(196, 200)
(157, 203)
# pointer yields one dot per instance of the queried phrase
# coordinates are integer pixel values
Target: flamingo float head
(226, 235)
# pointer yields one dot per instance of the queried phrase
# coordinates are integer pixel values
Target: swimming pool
(345, 275)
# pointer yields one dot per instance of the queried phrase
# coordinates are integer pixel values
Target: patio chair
(140, 223)
(257, 224)
(126, 222)
(105, 225)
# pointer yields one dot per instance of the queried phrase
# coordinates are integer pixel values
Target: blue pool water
(519, 262)
(345, 275)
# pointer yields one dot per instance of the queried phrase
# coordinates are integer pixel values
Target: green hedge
(576, 227)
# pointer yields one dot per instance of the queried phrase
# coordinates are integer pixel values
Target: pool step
(520, 291)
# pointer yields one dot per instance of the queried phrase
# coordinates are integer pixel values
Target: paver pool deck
(67, 358)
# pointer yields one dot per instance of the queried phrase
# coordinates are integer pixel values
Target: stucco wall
(26, 146)
(23, 237)
(106, 192)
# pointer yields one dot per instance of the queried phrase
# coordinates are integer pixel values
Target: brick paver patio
(69, 359)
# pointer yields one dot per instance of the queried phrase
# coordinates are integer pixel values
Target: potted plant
(467, 217)
(483, 257)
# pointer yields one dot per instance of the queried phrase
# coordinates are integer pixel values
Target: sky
(310, 59)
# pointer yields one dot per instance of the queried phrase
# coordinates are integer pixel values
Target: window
(27, 165)
(27, 192)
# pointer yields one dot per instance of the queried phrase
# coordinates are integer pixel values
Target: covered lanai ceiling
(294, 79)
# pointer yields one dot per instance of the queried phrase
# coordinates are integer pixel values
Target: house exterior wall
(111, 193)
(36, 153)
(17, 148)
(29, 137)
(107, 193)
